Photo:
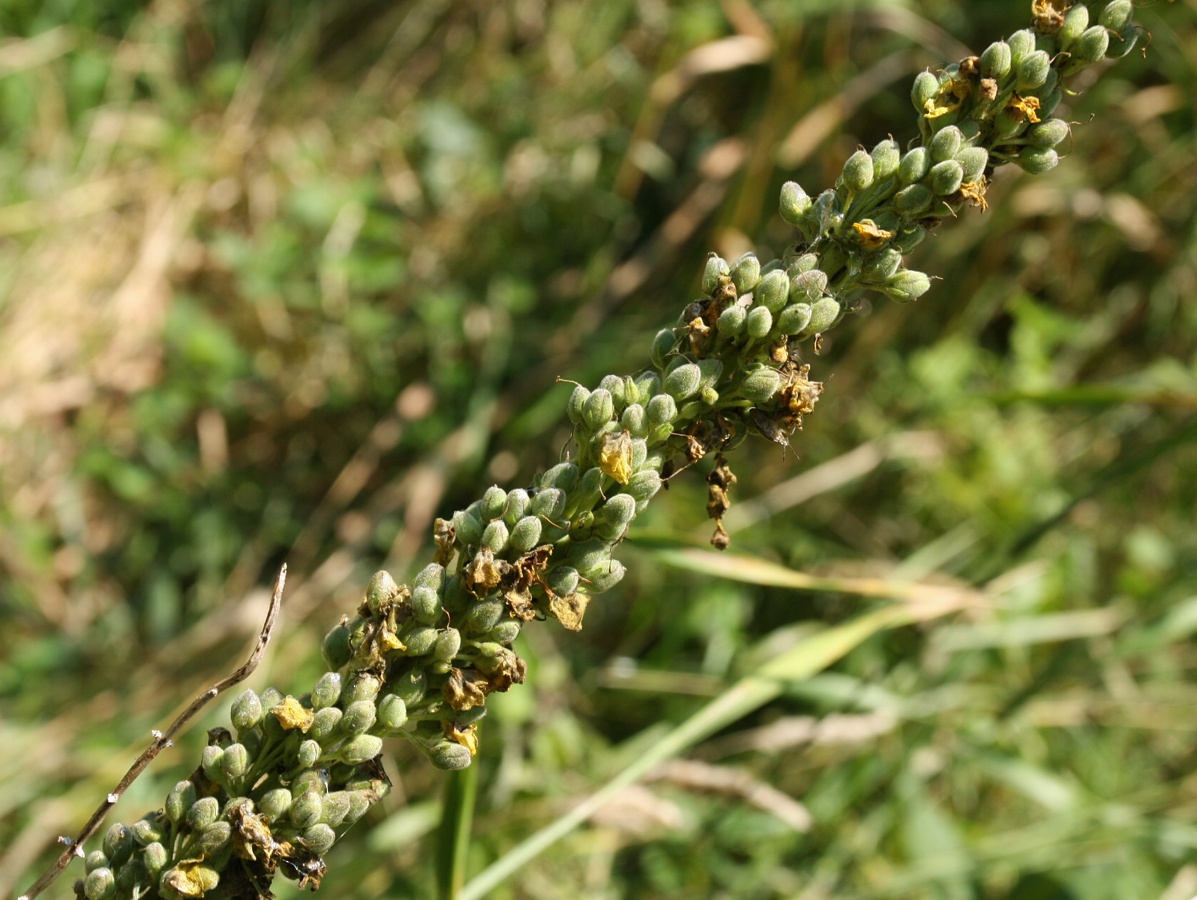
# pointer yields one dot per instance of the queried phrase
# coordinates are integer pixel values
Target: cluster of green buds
(419, 661)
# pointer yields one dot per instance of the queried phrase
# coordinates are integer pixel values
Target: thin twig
(162, 740)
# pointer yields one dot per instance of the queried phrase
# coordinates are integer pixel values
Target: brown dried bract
(615, 455)
(569, 610)
(1048, 15)
(444, 534)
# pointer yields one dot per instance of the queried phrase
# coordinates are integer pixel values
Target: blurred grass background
(286, 281)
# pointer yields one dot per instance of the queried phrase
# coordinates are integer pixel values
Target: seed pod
(154, 857)
(1091, 45)
(100, 884)
(973, 160)
(336, 807)
(886, 157)
(118, 839)
(562, 476)
(634, 420)
(907, 285)
(808, 285)
(614, 516)
(589, 556)
(715, 267)
(648, 384)
(517, 506)
(1022, 45)
(549, 504)
(1032, 70)
(804, 263)
(468, 526)
(210, 762)
(504, 633)
(909, 238)
(759, 322)
(95, 860)
(823, 315)
(235, 761)
(915, 165)
(325, 722)
(448, 643)
(1037, 160)
(1047, 134)
(730, 323)
(178, 801)
(310, 780)
(606, 577)
(149, 828)
(494, 501)
(858, 172)
(419, 640)
(327, 690)
(525, 535)
(945, 144)
(913, 200)
(214, 839)
(683, 382)
(449, 756)
(589, 489)
(709, 372)
(426, 605)
(599, 409)
(662, 347)
(1116, 15)
(644, 485)
(1076, 20)
(364, 686)
(359, 802)
(795, 204)
(309, 753)
(661, 410)
(760, 383)
(576, 403)
(826, 212)
(319, 838)
(995, 61)
(794, 319)
(745, 273)
(380, 591)
(881, 265)
(946, 177)
(616, 387)
(494, 537)
(203, 812)
(306, 809)
(247, 711)
(483, 617)
(411, 686)
(561, 580)
(274, 803)
(924, 90)
(362, 748)
(771, 293)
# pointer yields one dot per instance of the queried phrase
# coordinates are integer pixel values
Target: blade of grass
(453, 837)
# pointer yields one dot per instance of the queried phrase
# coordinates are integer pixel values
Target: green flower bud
(606, 577)
(1091, 46)
(411, 686)
(210, 762)
(468, 526)
(433, 574)
(823, 315)
(794, 319)
(715, 267)
(995, 61)
(709, 372)
(154, 857)
(310, 780)
(634, 420)
(306, 809)
(617, 388)
(924, 90)
(449, 756)
(589, 489)
(683, 382)
(562, 476)
(319, 838)
(336, 807)
(149, 829)
(946, 177)
(309, 753)
(95, 860)
(426, 605)
(274, 803)
(358, 717)
(913, 200)
(203, 812)
(759, 322)
(118, 840)
(494, 501)
(730, 323)
(1032, 70)
(419, 640)
(392, 712)
(178, 801)
(525, 535)
(1047, 134)
(945, 144)
(517, 506)
(826, 211)
(380, 591)
(494, 537)
(772, 292)
(325, 722)
(549, 503)
(598, 410)
(886, 156)
(100, 884)
(973, 160)
(1022, 45)
(327, 690)
(1037, 160)
(1048, 102)
(745, 273)
(235, 761)
(761, 383)
(577, 403)
(907, 285)
(643, 486)
(661, 410)
(448, 643)
(362, 748)
(663, 347)
(504, 632)
(215, 838)
(359, 802)
(614, 516)
(247, 711)
(808, 285)
(562, 580)
(915, 165)
(482, 617)
(795, 204)
(335, 648)
(803, 263)
(1116, 15)
(647, 384)
(1076, 20)
(858, 172)
(708, 396)
(881, 265)
(909, 238)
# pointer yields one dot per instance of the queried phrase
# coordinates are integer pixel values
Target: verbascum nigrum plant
(418, 661)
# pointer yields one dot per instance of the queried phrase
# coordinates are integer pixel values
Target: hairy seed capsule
(886, 157)
(772, 292)
(426, 605)
(210, 762)
(448, 643)
(598, 410)
(450, 756)
(214, 839)
(247, 711)
(100, 884)
(761, 383)
(634, 420)
(95, 860)
(913, 200)
(881, 265)
(823, 315)
(392, 712)
(946, 177)
(661, 410)
(358, 717)
(155, 857)
(118, 839)
(1032, 70)
(715, 267)
(525, 535)
(319, 838)
(1047, 134)
(306, 810)
(1116, 15)
(203, 813)
(794, 319)
(945, 144)
(380, 591)
(745, 273)
(562, 476)
(325, 722)
(562, 580)
(149, 829)
(924, 90)
(234, 761)
(759, 322)
(914, 165)
(1076, 20)
(910, 237)
(606, 577)
(494, 501)
(858, 172)
(274, 803)
(995, 61)
(808, 285)
(907, 285)
(483, 617)
(973, 160)
(549, 504)
(419, 640)
(308, 753)
(494, 537)
(683, 382)
(795, 204)
(577, 402)
(178, 801)
(364, 686)
(1022, 45)
(1092, 44)
(662, 347)
(362, 748)
(411, 686)
(468, 527)
(644, 485)
(327, 690)
(730, 323)
(1037, 160)
(617, 387)
(648, 384)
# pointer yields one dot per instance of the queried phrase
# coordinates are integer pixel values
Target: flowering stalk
(418, 661)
